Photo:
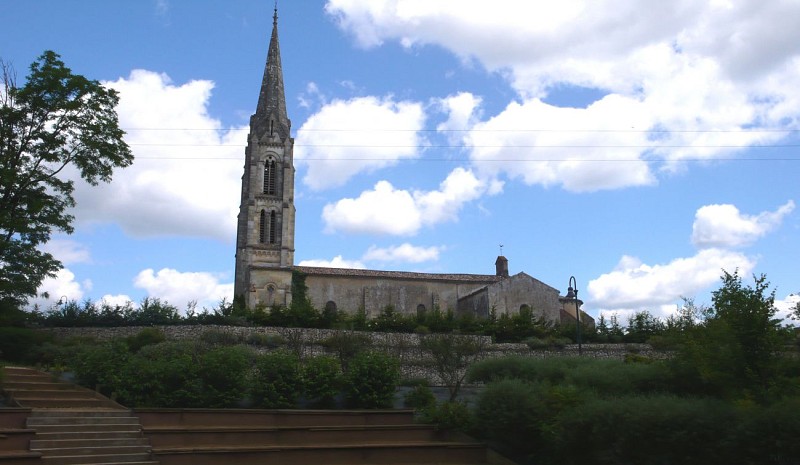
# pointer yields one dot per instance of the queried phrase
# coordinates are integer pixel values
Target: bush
(550, 369)
(323, 380)
(145, 337)
(278, 380)
(450, 416)
(372, 380)
(644, 430)
(100, 366)
(270, 341)
(17, 344)
(420, 397)
(218, 337)
(162, 375)
(224, 375)
(346, 345)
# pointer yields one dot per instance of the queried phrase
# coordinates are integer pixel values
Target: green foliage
(390, 320)
(56, 120)
(219, 337)
(371, 380)
(145, 337)
(449, 416)
(346, 345)
(735, 351)
(642, 326)
(162, 375)
(224, 375)
(301, 313)
(322, 381)
(643, 430)
(278, 380)
(451, 355)
(270, 341)
(100, 366)
(420, 397)
(18, 344)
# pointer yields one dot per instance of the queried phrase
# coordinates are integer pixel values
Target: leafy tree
(451, 355)
(57, 120)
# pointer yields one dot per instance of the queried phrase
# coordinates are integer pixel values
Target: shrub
(162, 375)
(100, 366)
(346, 345)
(322, 379)
(644, 430)
(450, 416)
(224, 375)
(372, 380)
(278, 380)
(17, 344)
(270, 341)
(218, 337)
(145, 337)
(420, 397)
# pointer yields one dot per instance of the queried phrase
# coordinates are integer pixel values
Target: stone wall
(414, 362)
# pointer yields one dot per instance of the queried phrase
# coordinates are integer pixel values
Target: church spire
(271, 117)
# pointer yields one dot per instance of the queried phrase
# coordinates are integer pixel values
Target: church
(265, 242)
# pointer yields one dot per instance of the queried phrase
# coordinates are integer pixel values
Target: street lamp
(572, 293)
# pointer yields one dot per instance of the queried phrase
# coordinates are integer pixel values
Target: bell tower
(265, 227)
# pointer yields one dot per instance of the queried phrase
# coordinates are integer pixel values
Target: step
(37, 386)
(34, 421)
(71, 433)
(40, 402)
(93, 412)
(39, 443)
(293, 436)
(379, 454)
(98, 459)
(84, 428)
(92, 450)
(48, 394)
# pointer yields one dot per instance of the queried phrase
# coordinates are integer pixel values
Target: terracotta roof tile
(358, 273)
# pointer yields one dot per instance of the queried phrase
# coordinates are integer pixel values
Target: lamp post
(572, 293)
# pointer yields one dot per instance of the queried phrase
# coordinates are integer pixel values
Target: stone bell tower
(265, 232)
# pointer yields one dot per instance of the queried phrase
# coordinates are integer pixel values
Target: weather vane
(501, 250)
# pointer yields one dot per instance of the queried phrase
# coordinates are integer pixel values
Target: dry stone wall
(308, 342)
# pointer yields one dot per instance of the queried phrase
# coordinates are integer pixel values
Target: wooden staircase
(296, 437)
(61, 424)
(69, 425)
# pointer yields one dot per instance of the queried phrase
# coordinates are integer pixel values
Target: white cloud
(786, 308)
(682, 80)
(61, 288)
(67, 251)
(724, 226)
(402, 253)
(345, 138)
(179, 288)
(117, 300)
(336, 262)
(634, 285)
(186, 176)
(386, 210)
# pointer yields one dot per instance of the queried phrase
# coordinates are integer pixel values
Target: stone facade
(265, 241)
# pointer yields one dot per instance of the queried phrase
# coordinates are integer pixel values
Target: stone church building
(265, 241)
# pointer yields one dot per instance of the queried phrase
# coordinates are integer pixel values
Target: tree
(451, 354)
(56, 120)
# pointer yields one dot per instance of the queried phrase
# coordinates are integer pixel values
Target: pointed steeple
(271, 114)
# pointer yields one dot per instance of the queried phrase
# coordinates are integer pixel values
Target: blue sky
(641, 148)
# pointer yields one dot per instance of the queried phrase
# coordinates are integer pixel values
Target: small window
(269, 177)
(330, 307)
(262, 227)
(272, 227)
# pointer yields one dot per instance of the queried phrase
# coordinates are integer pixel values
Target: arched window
(330, 307)
(272, 227)
(262, 227)
(269, 177)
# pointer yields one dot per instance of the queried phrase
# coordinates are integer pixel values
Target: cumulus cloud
(179, 288)
(348, 137)
(725, 226)
(336, 262)
(402, 253)
(635, 285)
(61, 288)
(67, 251)
(185, 178)
(681, 81)
(786, 308)
(386, 210)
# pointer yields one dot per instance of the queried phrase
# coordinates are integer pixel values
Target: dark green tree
(55, 121)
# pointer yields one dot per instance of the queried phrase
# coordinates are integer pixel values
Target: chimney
(501, 265)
